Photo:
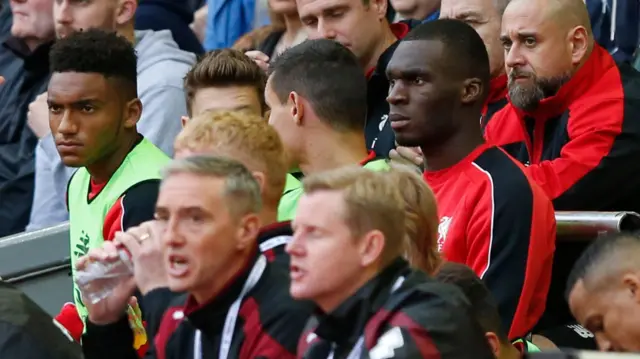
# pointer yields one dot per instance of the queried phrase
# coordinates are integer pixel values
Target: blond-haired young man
(249, 139)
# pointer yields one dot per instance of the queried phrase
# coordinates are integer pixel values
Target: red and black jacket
(582, 145)
(401, 313)
(269, 321)
(497, 99)
(378, 133)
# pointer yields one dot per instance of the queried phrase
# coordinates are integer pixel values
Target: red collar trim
(400, 29)
(369, 72)
(370, 157)
(519, 345)
(275, 226)
(582, 81)
(497, 89)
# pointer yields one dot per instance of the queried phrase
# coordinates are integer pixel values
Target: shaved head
(567, 14)
(603, 291)
(606, 258)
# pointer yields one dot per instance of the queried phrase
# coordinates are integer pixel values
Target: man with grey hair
(207, 228)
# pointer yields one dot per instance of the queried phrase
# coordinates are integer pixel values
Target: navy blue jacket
(620, 18)
(173, 15)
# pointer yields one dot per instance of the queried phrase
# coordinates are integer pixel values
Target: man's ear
(632, 283)
(494, 343)
(125, 12)
(297, 107)
(372, 246)
(380, 7)
(133, 113)
(471, 91)
(579, 40)
(184, 120)
(248, 231)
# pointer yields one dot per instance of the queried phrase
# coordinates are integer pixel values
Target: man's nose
(396, 94)
(62, 14)
(513, 58)
(325, 30)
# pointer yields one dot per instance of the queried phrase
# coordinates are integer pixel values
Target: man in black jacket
(24, 62)
(375, 305)
(237, 305)
(28, 332)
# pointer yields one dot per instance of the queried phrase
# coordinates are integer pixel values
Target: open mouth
(296, 273)
(178, 266)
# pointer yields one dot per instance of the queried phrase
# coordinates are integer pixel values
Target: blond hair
(242, 136)
(421, 219)
(372, 202)
(241, 190)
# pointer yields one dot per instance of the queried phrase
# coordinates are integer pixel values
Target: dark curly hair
(96, 51)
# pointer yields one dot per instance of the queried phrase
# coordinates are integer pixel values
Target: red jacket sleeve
(587, 147)
(137, 205)
(510, 241)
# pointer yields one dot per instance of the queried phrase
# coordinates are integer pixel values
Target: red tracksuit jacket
(494, 219)
(582, 146)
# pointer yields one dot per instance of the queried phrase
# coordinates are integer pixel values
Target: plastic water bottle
(97, 280)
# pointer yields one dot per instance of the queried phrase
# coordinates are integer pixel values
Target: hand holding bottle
(98, 275)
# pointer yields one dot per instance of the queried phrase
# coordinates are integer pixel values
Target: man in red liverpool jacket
(573, 116)
(485, 16)
(493, 218)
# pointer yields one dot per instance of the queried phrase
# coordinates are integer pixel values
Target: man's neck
(454, 150)
(222, 280)
(330, 302)
(102, 170)
(388, 39)
(510, 352)
(128, 32)
(331, 151)
(268, 215)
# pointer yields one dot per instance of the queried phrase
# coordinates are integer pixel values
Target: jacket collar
(582, 81)
(36, 60)
(400, 29)
(209, 317)
(274, 230)
(346, 323)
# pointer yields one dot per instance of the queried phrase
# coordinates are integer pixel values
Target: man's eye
(530, 41)
(418, 81)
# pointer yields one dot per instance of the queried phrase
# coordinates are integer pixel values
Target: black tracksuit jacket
(269, 321)
(421, 318)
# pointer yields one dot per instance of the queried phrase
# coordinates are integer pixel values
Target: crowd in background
(326, 178)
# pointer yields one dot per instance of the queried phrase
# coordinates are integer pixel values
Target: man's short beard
(528, 98)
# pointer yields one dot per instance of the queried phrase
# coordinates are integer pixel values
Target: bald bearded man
(573, 116)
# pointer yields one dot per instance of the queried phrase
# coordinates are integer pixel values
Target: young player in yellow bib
(93, 111)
